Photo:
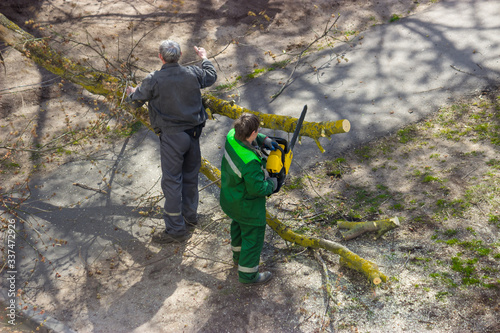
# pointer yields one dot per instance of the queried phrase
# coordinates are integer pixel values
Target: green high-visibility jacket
(243, 182)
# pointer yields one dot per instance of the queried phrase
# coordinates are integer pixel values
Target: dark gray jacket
(174, 97)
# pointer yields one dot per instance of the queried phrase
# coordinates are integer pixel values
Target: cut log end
(346, 125)
(395, 220)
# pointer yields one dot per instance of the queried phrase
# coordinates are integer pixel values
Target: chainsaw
(280, 159)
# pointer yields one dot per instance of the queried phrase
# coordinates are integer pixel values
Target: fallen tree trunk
(347, 257)
(358, 228)
(113, 88)
(101, 83)
(314, 130)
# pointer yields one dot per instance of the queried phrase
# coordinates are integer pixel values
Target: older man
(177, 115)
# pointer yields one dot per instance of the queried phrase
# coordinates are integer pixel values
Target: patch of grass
(466, 268)
(394, 18)
(256, 73)
(450, 232)
(494, 219)
(279, 64)
(398, 206)
(441, 295)
(294, 183)
(494, 163)
(444, 278)
(369, 202)
(336, 168)
(10, 165)
(407, 134)
(302, 230)
(364, 153)
(475, 246)
(228, 85)
(430, 178)
(351, 33)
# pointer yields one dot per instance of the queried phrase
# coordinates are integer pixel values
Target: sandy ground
(115, 280)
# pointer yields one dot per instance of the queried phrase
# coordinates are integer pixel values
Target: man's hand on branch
(130, 90)
(201, 52)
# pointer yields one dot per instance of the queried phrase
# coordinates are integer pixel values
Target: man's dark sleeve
(207, 75)
(142, 94)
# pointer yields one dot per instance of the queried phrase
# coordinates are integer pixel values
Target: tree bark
(358, 228)
(314, 130)
(112, 87)
(347, 257)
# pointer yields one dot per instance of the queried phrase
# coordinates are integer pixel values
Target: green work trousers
(246, 242)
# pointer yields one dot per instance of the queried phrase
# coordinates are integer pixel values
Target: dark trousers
(180, 165)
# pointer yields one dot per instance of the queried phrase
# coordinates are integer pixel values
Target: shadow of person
(237, 307)
(161, 293)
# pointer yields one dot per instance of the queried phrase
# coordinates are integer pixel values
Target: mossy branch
(347, 257)
(41, 53)
(314, 130)
(358, 228)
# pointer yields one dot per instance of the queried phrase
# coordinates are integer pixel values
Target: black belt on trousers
(195, 132)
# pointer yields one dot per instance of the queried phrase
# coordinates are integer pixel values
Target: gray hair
(170, 51)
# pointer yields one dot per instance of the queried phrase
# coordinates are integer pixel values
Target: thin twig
(90, 188)
(3, 63)
(35, 85)
(304, 321)
(328, 284)
(328, 28)
(404, 265)
(212, 183)
(462, 71)
(211, 57)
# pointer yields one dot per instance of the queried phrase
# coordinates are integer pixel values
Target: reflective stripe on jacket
(244, 186)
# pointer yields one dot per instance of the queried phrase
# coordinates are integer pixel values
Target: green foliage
(130, 129)
(494, 163)
(351, 33)
(256, 72)
(466, 268)
(441, 295)
(450, 232)
(394, 18)
(406, 134)
(226, 86)
(494, 219)
(279, 64)
(302, 230)
(294, 183)
(429, 178)
(364, 153)
(336, 168)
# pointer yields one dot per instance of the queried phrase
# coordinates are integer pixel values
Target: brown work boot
(164, 238)
(190, 225)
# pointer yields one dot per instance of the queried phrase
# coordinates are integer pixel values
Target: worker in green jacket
(243, 195)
